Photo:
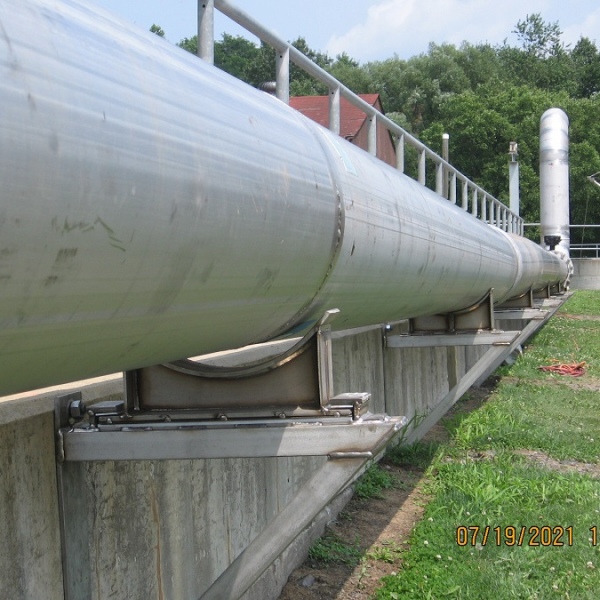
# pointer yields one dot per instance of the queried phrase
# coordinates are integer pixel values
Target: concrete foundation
(167, 530)
(586, 274)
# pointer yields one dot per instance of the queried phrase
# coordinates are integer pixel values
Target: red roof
(317, 109)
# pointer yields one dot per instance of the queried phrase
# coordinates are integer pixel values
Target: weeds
(373, 482)
(330, 549)
(388, 553)
(420, 454)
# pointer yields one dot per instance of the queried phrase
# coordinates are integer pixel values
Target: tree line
(483, 95)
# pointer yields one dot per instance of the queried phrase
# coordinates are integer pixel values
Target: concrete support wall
(586, 274)
(166, 530)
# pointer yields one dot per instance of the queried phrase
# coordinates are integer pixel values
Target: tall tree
(586, 63)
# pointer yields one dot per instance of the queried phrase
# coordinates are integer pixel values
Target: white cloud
(406, 27)
(588, 27)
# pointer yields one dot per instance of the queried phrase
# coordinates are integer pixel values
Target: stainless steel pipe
(154, 208)
(554, 177)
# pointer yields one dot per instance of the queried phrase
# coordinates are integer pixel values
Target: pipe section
(153, 208)
(554, 178)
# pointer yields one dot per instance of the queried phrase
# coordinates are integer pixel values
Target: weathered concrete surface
(166, 530)
(30, 560)
(586, 274)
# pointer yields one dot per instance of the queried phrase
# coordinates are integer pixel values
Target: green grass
(330, 549)
(501, 492)
(583, 302)
(478, 480)
(373, 482)
(418, 455)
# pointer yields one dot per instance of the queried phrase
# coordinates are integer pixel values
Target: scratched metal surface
(153, 208)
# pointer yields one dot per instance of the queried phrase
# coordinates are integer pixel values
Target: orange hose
(572, 369)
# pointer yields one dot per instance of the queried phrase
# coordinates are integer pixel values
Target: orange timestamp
(509, 535)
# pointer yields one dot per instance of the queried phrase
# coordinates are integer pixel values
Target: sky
(369, 30)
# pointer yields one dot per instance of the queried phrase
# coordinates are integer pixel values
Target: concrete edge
(31, 404)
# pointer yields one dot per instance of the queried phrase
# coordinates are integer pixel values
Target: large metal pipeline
(153, 208)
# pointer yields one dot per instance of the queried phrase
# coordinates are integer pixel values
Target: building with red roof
(353, 121)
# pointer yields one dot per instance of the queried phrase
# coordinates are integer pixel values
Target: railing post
(446, 157)
(400, 153)
(206, 30)
(439, 179)
(474, 203)
(282, 76)
(449, 174)
(372, 134)
(421, 175)
(484, 202)
(334, 110)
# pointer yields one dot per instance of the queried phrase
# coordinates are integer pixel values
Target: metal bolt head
(77, 409)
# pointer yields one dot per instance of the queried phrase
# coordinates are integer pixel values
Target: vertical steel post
(372, 134)
(334, 110)
(439, 179)
(282, 76)
(484, 202)
(206, 30)
(421, 175)
(513, 178)
(446, 157)
(465, 196)
(400, 153)
(453, 188)
(474, 206)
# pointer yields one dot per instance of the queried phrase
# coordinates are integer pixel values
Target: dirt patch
(579, 317)
(586, 382)
(379, 526)
(562, 466)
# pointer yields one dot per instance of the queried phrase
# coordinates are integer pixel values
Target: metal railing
(579, 250)
(449, 182)
(585, 250)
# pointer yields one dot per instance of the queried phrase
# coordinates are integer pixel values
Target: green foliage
(158, 30)
(330, 549)
(373, 482)
(419, 454)
(539, 39)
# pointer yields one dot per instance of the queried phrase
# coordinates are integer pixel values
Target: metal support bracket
(484, 338)
(280, 404)
(334, 437)
(477, 317)
(525, 300)
(523, 314)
